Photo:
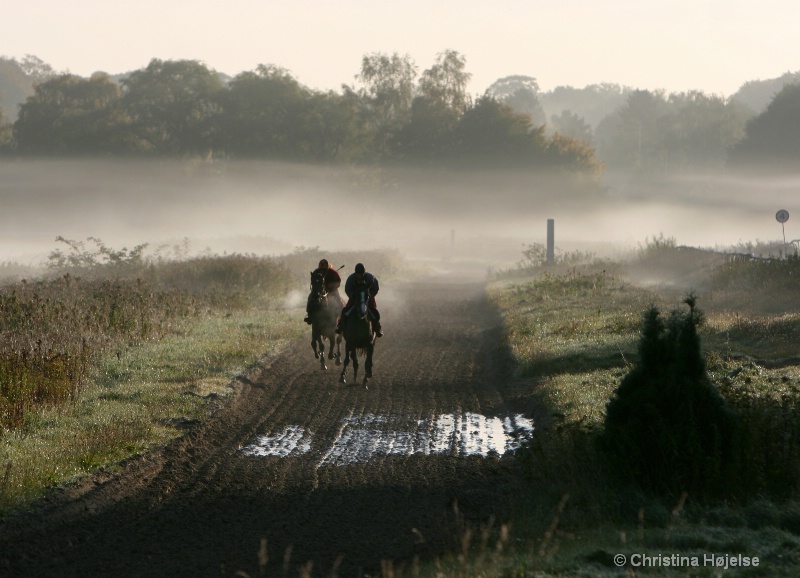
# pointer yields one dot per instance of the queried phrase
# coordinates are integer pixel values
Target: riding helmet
(360, 268)
(323, 264)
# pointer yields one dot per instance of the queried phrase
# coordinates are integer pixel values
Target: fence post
(551, 235)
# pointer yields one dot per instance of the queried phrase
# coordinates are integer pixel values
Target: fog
(273, 208)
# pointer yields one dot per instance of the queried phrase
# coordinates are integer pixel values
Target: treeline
(397, 114)
(182, 108)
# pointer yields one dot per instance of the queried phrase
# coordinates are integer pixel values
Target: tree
(575, 157)
(772, 139)
(667, 426)
(15, 87)
(6, 132)
(700, 129)
(174, 106)
(633, 137)
(334, 129)
(656, 134)
(441, 99)
(36, 69)
(491, 132)
(757, 94)
(592, 103)
(261, 113)
(520, 93)
(72, 115)
(388, 91)
(429, 135)
(445, 83)
(570, 125)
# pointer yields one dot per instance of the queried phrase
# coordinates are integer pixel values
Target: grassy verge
(137, 398)
(112, 353)
(574, 332)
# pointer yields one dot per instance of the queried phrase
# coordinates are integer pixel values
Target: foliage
(182, 108)
(445, 83)
(667, 426)
(15, 87)
(80, 257)
(70, 115)
(771, 140)
(757, 94)
(173, 106)
(655, 133)
(387, 93)
(428, 136)
(262, 112)
(593, 102)
(493, 133)
(520, 93)
(573, 341)
(573, 126)
(52, 331)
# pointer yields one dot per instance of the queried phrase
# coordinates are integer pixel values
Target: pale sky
(677, 45)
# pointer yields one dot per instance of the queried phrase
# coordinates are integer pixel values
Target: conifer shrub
(667, 427)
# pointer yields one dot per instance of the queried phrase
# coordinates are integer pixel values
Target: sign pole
(782, 216)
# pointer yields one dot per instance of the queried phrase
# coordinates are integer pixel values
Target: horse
(324, 312)
(359, 338)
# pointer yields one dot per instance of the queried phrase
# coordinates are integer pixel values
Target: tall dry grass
(52, 330)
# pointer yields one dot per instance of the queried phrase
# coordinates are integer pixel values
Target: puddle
(293, 439)
(360, 438)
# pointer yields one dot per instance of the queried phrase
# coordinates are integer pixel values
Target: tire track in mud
(201, 506)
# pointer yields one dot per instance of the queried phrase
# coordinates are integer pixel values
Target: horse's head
(362, 304)
(318, 286)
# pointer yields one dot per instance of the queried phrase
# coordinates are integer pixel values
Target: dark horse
(324, 312)
(359, 338)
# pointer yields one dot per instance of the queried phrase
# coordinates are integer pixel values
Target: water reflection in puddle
(363, 437)
(292, 439)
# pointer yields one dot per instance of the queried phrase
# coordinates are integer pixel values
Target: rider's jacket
(352, 288)
(332, 278)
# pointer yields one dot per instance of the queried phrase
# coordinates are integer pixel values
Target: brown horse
(359, 339)
(324, 312)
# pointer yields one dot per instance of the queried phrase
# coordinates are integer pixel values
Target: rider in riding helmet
(356, 282)
(332, 283)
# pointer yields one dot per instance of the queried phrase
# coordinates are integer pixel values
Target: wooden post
(551, 251)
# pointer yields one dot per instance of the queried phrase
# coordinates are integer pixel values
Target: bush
(667, 426)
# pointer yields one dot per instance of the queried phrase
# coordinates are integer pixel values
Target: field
(151, 424)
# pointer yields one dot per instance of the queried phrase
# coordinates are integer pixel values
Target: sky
(677, 45)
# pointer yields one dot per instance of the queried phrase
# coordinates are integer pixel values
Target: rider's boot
(377, 325)
(338, 329)
(307, 319)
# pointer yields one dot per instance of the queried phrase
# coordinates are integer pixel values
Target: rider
(357, 281)
(332, 283)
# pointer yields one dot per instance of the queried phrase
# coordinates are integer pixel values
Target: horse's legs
(354, 355)
(331, 340)
(314, 339)
(368, 362)
(322, 353)
(342, 378)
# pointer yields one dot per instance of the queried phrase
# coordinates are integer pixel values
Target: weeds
(564, 326)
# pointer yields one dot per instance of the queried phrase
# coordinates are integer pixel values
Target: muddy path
(349, 477)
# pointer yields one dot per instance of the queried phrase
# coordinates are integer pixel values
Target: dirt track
(202, 507)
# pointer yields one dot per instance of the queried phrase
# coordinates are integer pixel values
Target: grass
(137, 398)
(573, 331)
(111, 353)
